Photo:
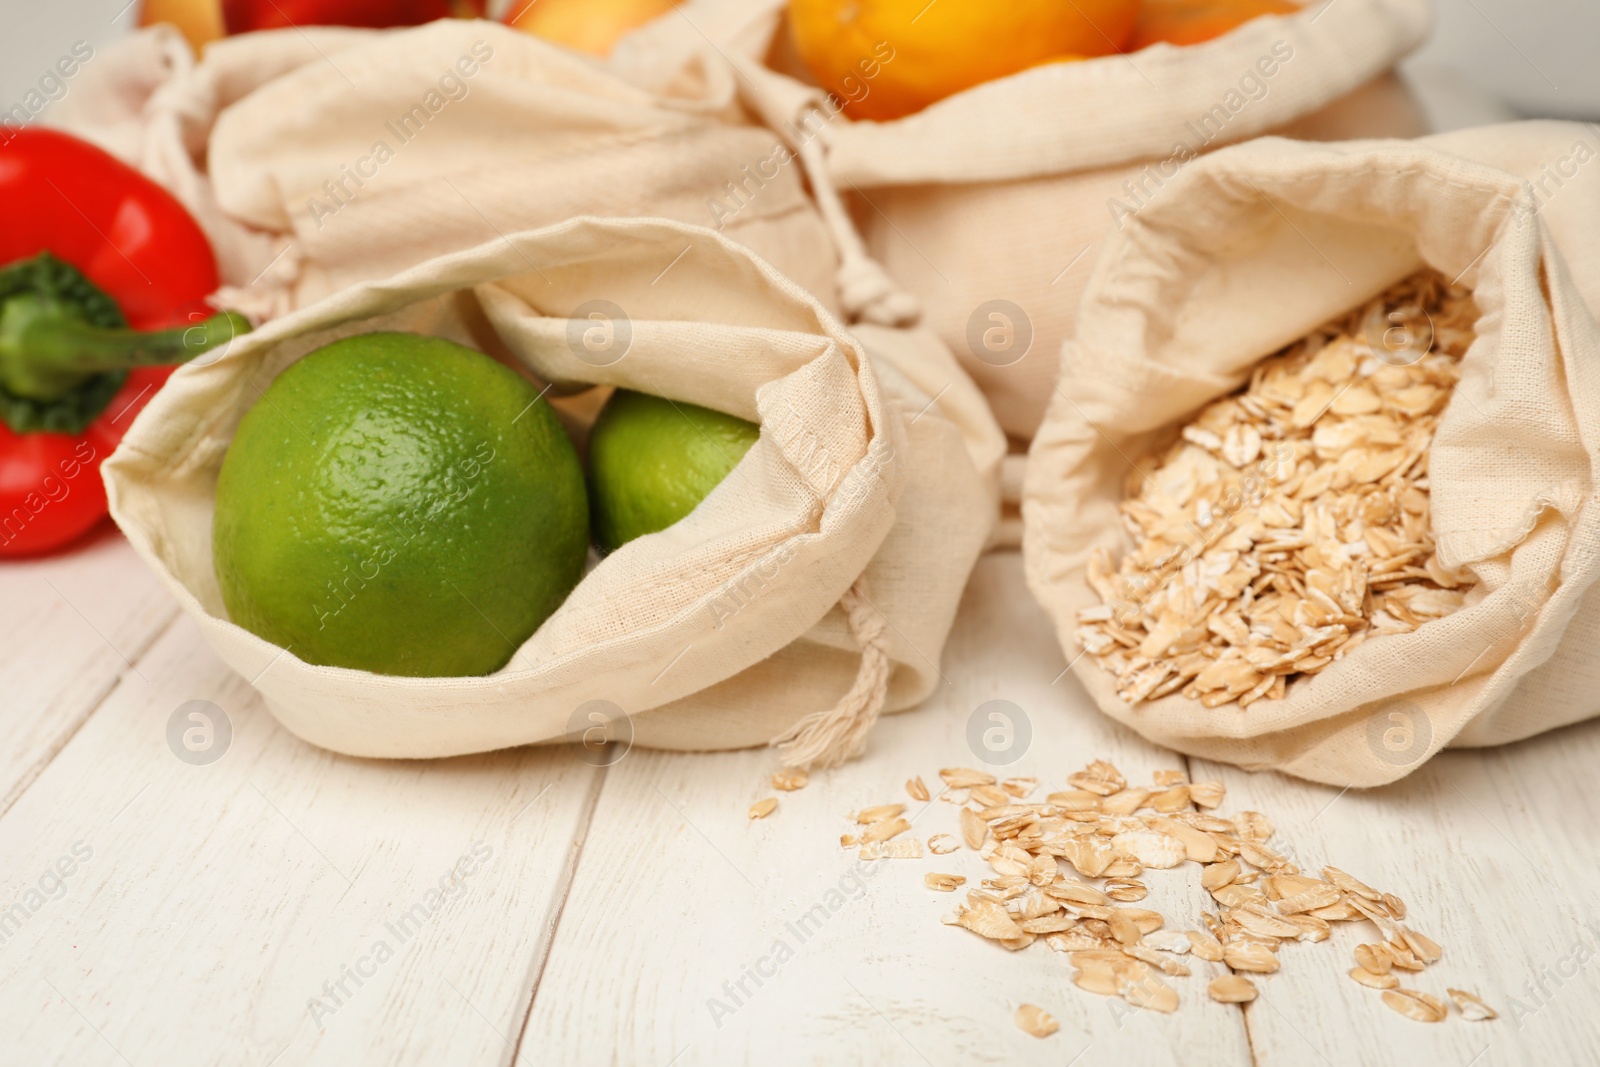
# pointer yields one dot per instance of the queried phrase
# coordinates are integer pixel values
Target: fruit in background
(241, 16)
(399, 504)
(651, 462)
(203, 21)
(592, 26)
(200, 21)
(1184, 22)
(889, 58)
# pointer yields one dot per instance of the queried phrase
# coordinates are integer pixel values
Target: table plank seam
(26, 780)
(1244, 1016)
(569, 875)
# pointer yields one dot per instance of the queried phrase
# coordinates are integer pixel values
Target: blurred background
(1536, 57)
(1533, 58)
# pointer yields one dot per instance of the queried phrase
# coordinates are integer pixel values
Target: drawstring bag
(989, 206)
(320, 157)
(809, 592)
(1246, 252)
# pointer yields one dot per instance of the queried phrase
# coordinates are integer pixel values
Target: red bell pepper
(92, 255)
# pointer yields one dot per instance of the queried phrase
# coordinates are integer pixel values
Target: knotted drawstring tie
(828, 738)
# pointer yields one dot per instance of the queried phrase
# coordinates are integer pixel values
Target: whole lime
(652, 460)
(399, 504)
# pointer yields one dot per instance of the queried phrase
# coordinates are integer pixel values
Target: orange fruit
(886, 59)
(1193, 21)
(200, 21)
(592, 26)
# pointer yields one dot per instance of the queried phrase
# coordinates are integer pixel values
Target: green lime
(399, 504)
(651, 461)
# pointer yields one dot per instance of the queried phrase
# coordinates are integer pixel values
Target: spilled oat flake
(1036, 1021)
(789, 779)
(1290, 520)
(1065, 870)
(762, 808)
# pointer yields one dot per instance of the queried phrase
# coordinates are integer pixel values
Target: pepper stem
(47, 349)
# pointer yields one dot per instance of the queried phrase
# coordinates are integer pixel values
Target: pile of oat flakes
(1111, 834)
(1289, 522)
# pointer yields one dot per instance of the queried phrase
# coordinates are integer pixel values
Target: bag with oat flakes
(1319, 496)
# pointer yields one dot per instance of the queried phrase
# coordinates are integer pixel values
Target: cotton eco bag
(1249, 250)
(322, 157)
(989, 206)
(813, 588)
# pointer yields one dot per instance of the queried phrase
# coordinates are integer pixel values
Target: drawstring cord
(866, 291)
(828, 738)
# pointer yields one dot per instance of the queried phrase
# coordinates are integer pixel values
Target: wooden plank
(73, 625)
(1493, 852)
(279, 905)
(680, 901)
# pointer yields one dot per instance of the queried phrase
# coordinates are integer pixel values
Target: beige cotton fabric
(1249, 250)
(820, 579)
(322, 157)
(990, 206)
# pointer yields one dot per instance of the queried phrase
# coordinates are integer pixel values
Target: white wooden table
(282, 905)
